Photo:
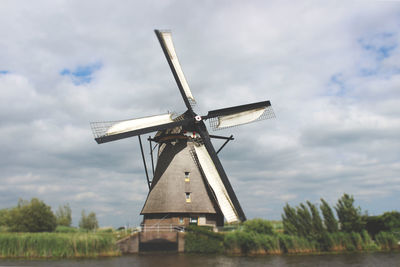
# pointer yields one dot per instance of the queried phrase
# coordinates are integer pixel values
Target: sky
(331, 70)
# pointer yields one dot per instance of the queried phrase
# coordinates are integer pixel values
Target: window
(181, 221)
(193, 220)
(188, 197)
(187, 176)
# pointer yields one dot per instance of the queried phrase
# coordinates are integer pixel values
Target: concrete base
(130, 244)
(149, 241)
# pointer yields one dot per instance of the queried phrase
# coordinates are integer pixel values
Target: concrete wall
(132, 244)
(153, 236)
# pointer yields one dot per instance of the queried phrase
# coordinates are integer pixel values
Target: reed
(296, 244)
(386, 240)
(203, 240)
(56, 245)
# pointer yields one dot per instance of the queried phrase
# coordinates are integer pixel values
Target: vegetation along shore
(31, 230)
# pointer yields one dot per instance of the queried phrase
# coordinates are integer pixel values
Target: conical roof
(168, 193)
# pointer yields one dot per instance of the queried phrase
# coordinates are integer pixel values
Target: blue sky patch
(81, 74)
(4, 72)
(381, 45)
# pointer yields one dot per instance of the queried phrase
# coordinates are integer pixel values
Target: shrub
(105, 230)
(203, 240)
(65, 229)
(258, 226)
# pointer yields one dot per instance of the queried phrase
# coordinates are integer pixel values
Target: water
(179, 260)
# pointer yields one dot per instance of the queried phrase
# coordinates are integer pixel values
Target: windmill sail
(165, 38)
(115, 130)
(214, 180)
(135, 124)
(233, 116)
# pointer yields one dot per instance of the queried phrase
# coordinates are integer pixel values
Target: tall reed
(203, 240)
(296, 244)
(58, 245)
(386, 240)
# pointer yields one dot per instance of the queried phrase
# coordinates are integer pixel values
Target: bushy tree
(88, 222)
(391, 221)
(350, 217)
(33, 216)
(330, 221)
(259, 226)
(63, 215)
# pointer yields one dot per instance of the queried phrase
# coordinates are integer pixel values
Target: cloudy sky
(330, 69)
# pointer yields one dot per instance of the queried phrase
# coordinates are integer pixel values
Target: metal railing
(162, 228)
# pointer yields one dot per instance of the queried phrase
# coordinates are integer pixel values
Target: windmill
(189, 184)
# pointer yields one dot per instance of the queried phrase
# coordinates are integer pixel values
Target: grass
(56, 245)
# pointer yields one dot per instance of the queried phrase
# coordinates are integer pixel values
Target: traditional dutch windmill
(189, 184)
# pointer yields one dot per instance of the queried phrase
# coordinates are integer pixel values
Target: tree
(317, 226)
(350, 217)
(33, 216)
(88, 222)
(289, 220)
(4, 214)
(388, 222)
(330, 221)
(305, 220)
(63, 215)
(391, 221)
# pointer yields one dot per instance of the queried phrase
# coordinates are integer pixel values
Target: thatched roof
(169, 188)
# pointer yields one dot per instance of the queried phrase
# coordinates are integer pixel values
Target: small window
(187, 176)
(193, 220)
(188, 197)
(181, 221)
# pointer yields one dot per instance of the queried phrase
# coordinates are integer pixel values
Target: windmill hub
(189, 184)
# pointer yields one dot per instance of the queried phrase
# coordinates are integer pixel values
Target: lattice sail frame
(100, 129)
(216, 121)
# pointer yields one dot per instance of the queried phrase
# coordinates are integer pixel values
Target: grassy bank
(56, 245)
(245, 242)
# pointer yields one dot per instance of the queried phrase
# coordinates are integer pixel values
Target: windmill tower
(189, 183)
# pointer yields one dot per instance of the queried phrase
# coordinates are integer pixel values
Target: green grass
(56, 245)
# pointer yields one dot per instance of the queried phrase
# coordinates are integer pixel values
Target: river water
(179, 260)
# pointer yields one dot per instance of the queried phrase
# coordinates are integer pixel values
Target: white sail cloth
(240, 118)
(137, 124)
(167, 37)
(214, 180)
